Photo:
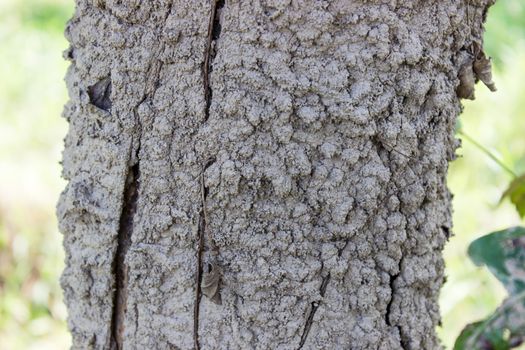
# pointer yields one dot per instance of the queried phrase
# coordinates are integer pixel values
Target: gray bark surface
(303, 145)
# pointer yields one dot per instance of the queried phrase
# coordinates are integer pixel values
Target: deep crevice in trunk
(214, 31)
(392, 281)
(389, 306)
(120, 267)
(203, 218)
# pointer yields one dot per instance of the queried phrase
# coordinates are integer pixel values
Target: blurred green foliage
(32, 93)
(505, 30)
(497, 121)
(503, 254)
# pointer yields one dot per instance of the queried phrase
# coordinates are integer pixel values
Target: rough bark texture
(321, 131)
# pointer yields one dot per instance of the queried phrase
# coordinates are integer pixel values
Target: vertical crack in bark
(131, 193)
(315, 304)
(203, 219)
(214, 31)
(120, 267)
(313, 310)
(393, 279)
(389, 306)
(198, 277)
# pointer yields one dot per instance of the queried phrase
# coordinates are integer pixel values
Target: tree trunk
(297, 149)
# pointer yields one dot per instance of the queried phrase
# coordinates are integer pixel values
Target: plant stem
(488, 153)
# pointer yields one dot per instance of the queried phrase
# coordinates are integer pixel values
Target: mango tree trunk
(260, 174)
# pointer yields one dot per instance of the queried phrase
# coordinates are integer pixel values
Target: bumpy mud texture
(330, 124)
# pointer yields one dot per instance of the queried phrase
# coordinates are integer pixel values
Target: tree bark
(298, 149)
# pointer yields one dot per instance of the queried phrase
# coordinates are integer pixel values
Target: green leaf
(496, 339)
(503, 252)
(499, 331)
(473, 337)
(516, 194)
(504, 255)
(465, 335)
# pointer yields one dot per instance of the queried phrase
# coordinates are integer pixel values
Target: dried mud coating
(331, 124)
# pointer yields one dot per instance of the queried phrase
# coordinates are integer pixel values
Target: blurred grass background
(32, 93)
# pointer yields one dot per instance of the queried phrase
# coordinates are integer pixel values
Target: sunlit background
(32, 93)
